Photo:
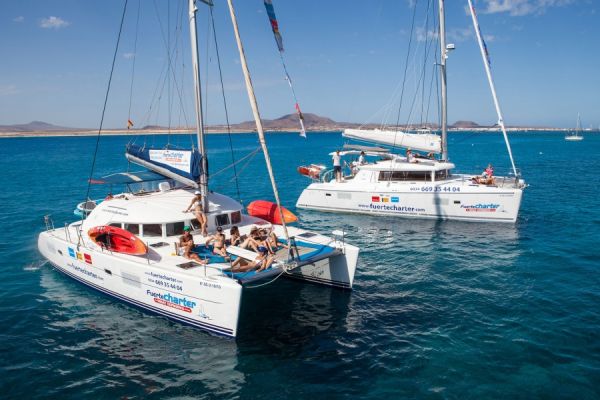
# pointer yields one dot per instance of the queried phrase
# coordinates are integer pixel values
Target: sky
(347, 59)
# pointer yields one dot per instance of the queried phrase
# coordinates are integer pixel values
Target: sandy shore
(214, 131)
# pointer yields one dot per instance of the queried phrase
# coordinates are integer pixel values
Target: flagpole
(257, 119)
(486, 64)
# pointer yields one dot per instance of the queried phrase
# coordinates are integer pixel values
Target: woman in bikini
(218, 241)
(196, 205)
(260, 263)
(273, 241)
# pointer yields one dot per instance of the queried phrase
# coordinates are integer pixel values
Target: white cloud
(20, 18)
(54, 23)
(517, 8)
(422, 35)
(459, 34)
(128, 56)
(7, 90)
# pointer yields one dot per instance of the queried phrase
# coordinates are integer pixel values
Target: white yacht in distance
(415, 185)
(126, 245)
(576, 135)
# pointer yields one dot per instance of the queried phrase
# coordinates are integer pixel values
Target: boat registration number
(450, 189)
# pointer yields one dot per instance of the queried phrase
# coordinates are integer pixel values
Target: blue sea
(438, 310)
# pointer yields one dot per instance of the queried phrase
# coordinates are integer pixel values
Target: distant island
(287, 123)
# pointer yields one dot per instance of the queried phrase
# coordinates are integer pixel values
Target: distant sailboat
(575, 136)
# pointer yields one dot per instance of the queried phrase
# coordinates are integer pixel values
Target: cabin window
(404, 176)
(222, 219)
(133, 228)
(175, 229)
(236, 217)
(115, 224)
(152, 230)
(443, 174)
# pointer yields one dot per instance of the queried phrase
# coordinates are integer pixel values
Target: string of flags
(279, 41)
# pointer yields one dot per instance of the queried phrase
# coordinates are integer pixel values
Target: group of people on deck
(486, 177)
(262, 241)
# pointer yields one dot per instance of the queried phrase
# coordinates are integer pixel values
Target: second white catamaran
(413, 185)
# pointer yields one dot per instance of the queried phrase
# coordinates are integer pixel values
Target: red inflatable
(117, 239)
(268, 211)
(312, 171)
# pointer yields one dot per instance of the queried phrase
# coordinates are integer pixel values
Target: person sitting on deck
(486, 177)
(260, 263)
(410, 156)
(247, 242)
(235, 239)
(186, 245)
(274, 242)
(361, 158)
(219, 245)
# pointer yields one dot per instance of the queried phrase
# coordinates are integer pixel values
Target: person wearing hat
(196, 205)
(186, 245)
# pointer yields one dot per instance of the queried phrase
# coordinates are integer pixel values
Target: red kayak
(268, 211)
(117, 239)
(312, 171)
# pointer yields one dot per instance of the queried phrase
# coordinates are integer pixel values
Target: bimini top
(125, 178)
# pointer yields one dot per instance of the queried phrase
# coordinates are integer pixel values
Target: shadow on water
(144, 354)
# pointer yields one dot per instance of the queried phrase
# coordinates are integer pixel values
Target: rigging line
(137, 24)
(251, 154)
(426, 51)
(237, 184)
(412, 28)
(112, 68)
(433, 69)
(170, 67)
(425, 57)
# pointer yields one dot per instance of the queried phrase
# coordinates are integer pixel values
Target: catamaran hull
(447, 202)
(330, 268)
(207, 304)
(335, 271)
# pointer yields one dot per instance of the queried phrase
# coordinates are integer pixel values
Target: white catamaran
(413, 185)
(126, 245)
(576, 135)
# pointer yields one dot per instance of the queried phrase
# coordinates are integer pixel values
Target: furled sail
(428, 142)
(182, 165)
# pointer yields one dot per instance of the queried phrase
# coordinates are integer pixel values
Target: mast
(198, 103)
(255, 112)
(486, 64)
(443, 57)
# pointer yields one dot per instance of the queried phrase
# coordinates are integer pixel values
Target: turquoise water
(439, 309)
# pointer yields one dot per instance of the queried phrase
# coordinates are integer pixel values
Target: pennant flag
(301, 118)
(274, 24)
(129, 124)
(279, 41)
(485, 49)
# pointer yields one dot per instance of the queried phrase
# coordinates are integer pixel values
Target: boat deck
(162, 254)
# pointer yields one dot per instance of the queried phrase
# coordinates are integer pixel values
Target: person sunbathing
(273, 241)
(260, 263)
(186, 245)
(219, 245)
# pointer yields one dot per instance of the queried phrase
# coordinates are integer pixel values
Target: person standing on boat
(196, 204)
(337, 166)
